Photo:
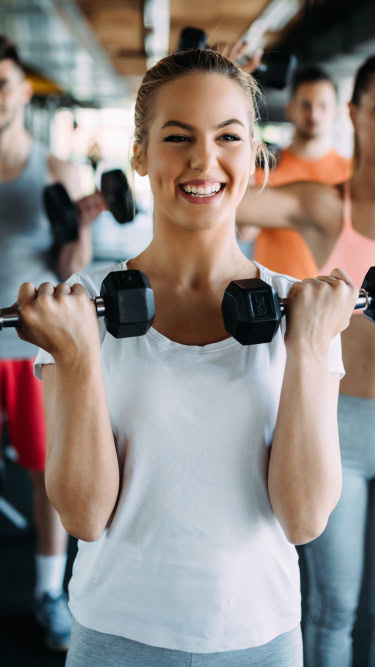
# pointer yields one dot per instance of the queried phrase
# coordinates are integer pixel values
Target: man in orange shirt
(313, 110)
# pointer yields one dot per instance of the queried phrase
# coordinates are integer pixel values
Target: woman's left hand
(318, 309)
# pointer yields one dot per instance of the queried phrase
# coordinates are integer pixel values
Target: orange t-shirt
(284, 250)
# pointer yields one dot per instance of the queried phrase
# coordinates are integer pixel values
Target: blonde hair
(183, 63)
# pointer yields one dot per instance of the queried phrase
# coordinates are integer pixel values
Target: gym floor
(21, 641)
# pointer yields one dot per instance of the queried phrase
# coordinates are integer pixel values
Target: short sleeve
(282, 283)
(335, 357)
(91, 282)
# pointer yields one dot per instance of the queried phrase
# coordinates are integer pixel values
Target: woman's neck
(195, 259)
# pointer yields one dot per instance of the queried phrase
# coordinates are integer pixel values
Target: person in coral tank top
(312, 109)
(338, 225)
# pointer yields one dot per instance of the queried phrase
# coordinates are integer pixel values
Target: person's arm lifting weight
(75, 255)
(304, 476)
(64, 322)
(82, 474)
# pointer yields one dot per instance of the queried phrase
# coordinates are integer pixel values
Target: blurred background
(85, 59)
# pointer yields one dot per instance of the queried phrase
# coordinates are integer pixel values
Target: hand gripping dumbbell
(64, 214)
(126, 302)
(252, 310)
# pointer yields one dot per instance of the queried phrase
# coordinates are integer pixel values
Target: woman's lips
(200, 199)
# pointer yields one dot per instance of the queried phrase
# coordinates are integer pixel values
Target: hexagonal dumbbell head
(251, 311)
(129, 303)
(369, 285)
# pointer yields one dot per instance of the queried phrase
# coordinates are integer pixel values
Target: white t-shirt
(194, 558)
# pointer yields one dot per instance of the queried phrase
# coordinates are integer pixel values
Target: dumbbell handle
(10, 317)
(364, 301)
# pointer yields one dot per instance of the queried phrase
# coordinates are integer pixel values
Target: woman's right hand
(62, 320)
(319, 309)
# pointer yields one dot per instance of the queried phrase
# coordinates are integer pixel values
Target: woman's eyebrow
(190, 128)
(230, 121)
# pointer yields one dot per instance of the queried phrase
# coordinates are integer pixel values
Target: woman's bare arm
(304, 477)
(82, 473)
(299, 206)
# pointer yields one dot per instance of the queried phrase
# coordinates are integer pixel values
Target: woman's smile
(201, 192)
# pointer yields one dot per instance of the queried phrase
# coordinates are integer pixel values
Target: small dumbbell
(252, 310)
(64, 214)
(126, 302)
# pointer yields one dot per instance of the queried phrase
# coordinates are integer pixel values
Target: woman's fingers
(342, 275)
(77, 288)
(336, 274)
(321, 307)
(26, 293)
(53, 317)
(46, 288)
(63, 288)
(337, 279)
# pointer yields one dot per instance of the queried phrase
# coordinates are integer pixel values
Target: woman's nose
(203, 157)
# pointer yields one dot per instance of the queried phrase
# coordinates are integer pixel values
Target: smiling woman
(214, 149)
(186, 515)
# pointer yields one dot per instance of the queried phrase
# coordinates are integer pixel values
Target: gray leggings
(89, 648)
(335, 561)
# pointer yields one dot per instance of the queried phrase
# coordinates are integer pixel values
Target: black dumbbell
(64, 214)
(252, 310)
(126, 302)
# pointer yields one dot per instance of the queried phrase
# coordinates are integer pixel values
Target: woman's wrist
(77, 361)
(303, 352)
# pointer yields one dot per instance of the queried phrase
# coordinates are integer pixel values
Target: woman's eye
(230, 137)
(179, 138)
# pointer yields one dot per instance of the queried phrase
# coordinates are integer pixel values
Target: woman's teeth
(200, 191)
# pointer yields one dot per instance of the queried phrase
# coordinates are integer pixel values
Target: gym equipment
(252, 310)
(64, 214)
(192, 38)
(275, 71)
(126, 302)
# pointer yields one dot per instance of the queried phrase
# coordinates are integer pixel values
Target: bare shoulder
(66, 173)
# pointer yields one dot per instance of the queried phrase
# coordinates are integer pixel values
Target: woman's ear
(139, 160)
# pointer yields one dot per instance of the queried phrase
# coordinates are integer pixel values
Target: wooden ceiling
(119, 28)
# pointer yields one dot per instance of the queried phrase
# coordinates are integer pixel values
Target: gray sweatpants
(89, 648)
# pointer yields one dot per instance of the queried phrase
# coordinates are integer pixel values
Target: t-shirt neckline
(209, 347)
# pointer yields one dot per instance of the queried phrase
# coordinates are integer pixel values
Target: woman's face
(199, 154)
(363, 118)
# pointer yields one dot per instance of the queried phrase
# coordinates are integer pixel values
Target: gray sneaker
(53, 614)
